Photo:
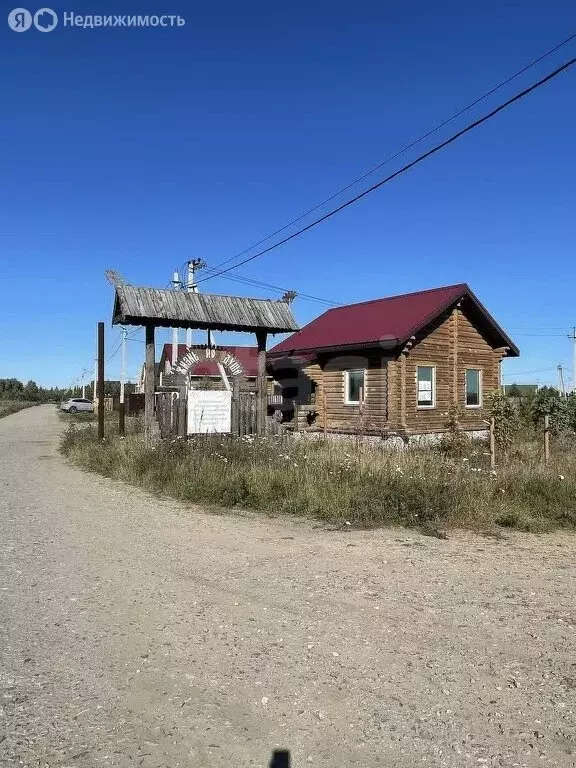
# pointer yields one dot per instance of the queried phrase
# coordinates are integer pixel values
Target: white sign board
(209, 411)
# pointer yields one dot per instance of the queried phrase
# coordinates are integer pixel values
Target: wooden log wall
(329, 376)
(451, 346)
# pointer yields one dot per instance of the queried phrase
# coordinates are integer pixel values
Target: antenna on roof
(288, 297)
(114, 278)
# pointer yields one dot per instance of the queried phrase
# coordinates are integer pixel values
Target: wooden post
(100, 381)
(261, 405)
(242, 428)
(235, 416)
(324, 407)
(546, 439)
(492, 443)
(361, 410)
(121, 419)
(182, 411)
(149, 385)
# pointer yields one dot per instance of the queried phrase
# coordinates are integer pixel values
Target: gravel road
(142, 632)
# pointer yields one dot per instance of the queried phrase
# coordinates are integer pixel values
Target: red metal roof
(388, 322)
(247, 356)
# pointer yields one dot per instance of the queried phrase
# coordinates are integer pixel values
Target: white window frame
(433, 404)
(480, 403)
(347, 373)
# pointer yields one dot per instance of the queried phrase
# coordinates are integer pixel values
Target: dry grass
(8, 407)
(346, 484)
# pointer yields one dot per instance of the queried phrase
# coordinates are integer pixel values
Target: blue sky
(137, 149)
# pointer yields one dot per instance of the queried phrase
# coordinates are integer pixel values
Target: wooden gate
(167, 408)
(234, 413)
(244, 409)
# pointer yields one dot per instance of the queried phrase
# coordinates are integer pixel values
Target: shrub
(455, 442)
(506, 420)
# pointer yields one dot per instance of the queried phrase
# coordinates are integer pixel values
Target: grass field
(347, 484)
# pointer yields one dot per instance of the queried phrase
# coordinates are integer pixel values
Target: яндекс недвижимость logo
(20, 20)
(45, 20)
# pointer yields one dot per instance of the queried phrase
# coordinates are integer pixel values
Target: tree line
(13, 389)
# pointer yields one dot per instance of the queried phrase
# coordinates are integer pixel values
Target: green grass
(77, 418)
(345, 484)
(8, 407)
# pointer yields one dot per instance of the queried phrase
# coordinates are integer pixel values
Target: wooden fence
(170, 414)
(244, 418)
(167, 413)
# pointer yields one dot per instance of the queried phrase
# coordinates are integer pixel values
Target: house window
(473, 388)
(353, 384)
(426, 386)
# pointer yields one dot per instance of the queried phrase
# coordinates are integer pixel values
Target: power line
(533, 329)
(407, 167)
(119, 340)
(541, 335)
(261, 284)
(277, 288)
(113, 354)
(527, 373)
(399, 153)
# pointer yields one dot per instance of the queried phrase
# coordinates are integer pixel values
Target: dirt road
(140, 632)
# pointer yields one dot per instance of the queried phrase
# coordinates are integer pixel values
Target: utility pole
(94, 393)
(191, 287)
(561, 387)
(574, 360)
(122, 409)
(123, 364)
(83, 391)
(100, 381)
(149, 386)
(176, 284)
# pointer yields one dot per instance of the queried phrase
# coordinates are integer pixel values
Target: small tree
(31, 391)
(571, 411)
(506, 420)
(547, 402)
(455, 441)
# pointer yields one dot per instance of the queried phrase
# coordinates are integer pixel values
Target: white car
(77, 404)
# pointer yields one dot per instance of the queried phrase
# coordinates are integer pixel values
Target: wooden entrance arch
(228, 365)
(155, 307)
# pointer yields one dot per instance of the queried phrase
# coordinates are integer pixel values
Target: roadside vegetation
(350, 483)
(8, 407)
(82, 417)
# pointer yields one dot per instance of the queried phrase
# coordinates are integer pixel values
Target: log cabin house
(393, 366)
